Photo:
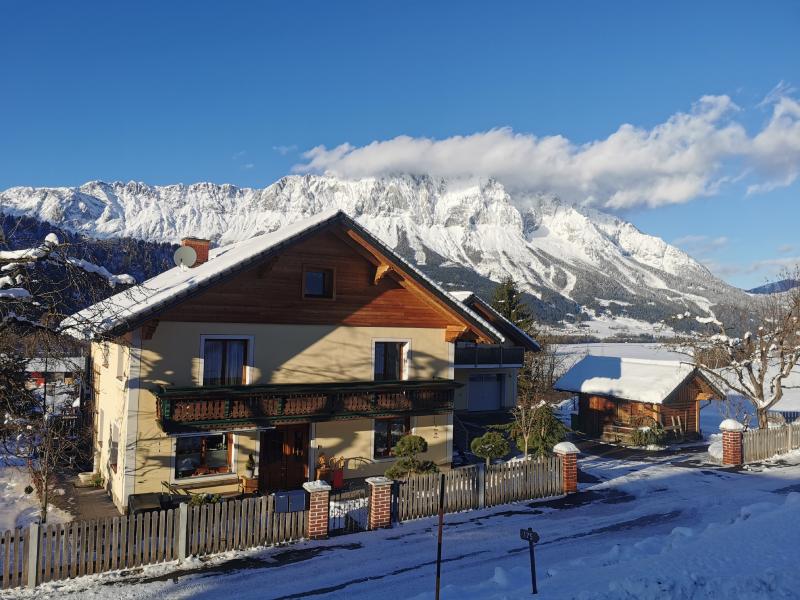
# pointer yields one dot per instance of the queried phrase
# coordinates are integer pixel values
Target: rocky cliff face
(465, 233)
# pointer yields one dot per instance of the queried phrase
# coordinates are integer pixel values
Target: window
(389, 361)
(317, 283)
(224, 361)
(203, 455)
(113, 447)
(387, 432)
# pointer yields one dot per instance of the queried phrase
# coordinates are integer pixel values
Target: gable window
(199, 455)
(317, 282)
(390, 359)
(224, 361)
(386, 434)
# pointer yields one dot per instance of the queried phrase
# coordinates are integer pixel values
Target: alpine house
(265, 357)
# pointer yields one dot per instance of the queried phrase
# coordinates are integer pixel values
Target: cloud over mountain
(689, 155)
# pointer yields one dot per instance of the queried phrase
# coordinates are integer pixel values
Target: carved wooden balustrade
(254, 405)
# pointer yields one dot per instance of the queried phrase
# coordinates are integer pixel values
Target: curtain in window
(212, 362)
(388, 361)
(234, 367)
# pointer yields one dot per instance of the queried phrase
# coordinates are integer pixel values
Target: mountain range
(582, 269)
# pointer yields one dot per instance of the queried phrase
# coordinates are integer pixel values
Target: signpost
(531, 537)
(439, 541)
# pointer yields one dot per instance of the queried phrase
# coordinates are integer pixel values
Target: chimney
(200, 247)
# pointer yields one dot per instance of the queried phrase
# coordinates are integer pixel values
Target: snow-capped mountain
(464, 233)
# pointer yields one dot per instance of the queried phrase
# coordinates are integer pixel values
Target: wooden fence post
(732, 443)
(183, 529)
(569, 466)
(33, 554)
(480, 482)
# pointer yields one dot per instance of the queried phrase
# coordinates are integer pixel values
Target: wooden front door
(283, 462)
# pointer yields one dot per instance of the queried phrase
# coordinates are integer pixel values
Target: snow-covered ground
(657, 526)
(18, 509)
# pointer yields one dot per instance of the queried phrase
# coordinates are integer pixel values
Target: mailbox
(292, 501)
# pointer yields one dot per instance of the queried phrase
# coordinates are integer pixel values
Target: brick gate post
(569, 466)
(318, 509)
(732, 442)
(380, 502)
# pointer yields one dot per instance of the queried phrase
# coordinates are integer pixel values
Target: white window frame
(248, 372)
(209, 478)
(407, 355)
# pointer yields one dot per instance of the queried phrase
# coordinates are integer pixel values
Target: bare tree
(755, 356)
(39, 288)
(534, 424)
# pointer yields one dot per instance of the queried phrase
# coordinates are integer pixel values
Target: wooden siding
(600, 413)
(272, 293)
(683, 404)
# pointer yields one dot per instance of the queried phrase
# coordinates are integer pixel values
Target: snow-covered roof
(56, 365)
(465, 296)
(636, 379)
(138, 303)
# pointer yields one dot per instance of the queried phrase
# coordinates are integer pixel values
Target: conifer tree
(507, 300)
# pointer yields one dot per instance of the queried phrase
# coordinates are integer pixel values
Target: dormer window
(318, 282)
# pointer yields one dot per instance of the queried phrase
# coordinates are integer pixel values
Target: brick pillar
(569, 466)
(380, 502)
(732, 445)
(318, 507)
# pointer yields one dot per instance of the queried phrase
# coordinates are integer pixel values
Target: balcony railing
(482, 356)
(255, 405)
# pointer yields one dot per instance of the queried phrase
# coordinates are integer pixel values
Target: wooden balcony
(199, 408)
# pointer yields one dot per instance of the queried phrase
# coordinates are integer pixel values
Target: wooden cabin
(618, 395)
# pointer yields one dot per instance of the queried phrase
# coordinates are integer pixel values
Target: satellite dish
(185, 256)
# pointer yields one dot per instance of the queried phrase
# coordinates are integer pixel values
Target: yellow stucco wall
(281, 354)
(353, 441)
(110, 365)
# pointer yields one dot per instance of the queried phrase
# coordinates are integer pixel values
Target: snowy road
(661, 527)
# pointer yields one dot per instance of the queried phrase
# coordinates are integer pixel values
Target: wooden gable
(369, 291)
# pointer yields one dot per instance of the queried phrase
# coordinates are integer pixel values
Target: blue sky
(239, 92)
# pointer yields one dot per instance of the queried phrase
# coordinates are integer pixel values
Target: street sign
(530, 536)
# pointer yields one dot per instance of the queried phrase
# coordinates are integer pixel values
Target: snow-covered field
(654, 526)
(18, 509)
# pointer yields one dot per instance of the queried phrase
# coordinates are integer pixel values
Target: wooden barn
(618, 395)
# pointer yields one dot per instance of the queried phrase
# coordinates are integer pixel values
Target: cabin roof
(635, 379)
(470, 299)
(130, 308)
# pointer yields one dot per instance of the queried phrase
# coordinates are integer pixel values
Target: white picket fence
(760, 444)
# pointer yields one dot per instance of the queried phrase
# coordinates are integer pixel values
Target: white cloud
(701, 246)
(768, 269)
(284, 150)
(248, 166)
(688, 156)
(775, 150)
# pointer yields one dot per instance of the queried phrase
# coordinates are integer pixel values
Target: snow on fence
(760, 444)
(69, 550)
(476, 486)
